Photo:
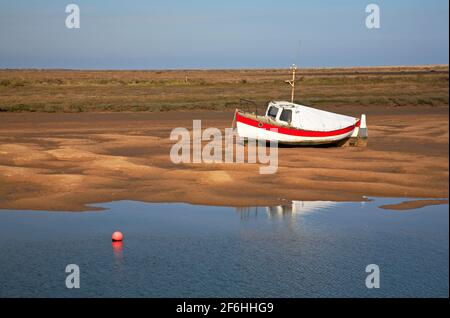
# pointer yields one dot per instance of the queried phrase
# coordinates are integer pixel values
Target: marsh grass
(116, 91)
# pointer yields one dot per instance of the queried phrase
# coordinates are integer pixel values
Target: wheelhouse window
(286, 115)
(273, 111)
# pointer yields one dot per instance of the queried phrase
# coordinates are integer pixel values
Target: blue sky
(117, 34)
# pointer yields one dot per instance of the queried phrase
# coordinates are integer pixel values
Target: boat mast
(292, 82)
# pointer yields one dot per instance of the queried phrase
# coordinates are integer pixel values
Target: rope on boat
(233, 123)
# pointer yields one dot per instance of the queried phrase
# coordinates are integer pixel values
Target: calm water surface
(307, 249)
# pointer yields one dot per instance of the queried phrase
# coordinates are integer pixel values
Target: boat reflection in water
(288, 211)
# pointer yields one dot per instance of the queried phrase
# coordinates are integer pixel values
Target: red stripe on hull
(293, 131)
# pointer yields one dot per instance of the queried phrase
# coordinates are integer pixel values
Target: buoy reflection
(118, 252)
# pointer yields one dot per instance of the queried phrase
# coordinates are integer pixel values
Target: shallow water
(308, 249)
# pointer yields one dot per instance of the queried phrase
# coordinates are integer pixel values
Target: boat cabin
(283, 113)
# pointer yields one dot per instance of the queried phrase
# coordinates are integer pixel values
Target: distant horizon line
(214, 69)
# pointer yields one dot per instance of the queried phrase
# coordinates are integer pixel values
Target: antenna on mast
(292, 82)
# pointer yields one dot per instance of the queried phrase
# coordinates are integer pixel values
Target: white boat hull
(253, 129)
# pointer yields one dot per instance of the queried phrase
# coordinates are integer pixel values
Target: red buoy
(117, 236)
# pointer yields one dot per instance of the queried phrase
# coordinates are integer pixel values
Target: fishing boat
(289, 123)
(294, 124)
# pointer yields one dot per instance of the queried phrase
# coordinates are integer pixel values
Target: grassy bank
(115, 91)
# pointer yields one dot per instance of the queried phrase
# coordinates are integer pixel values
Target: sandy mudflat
(413, 204)
(67, 161)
